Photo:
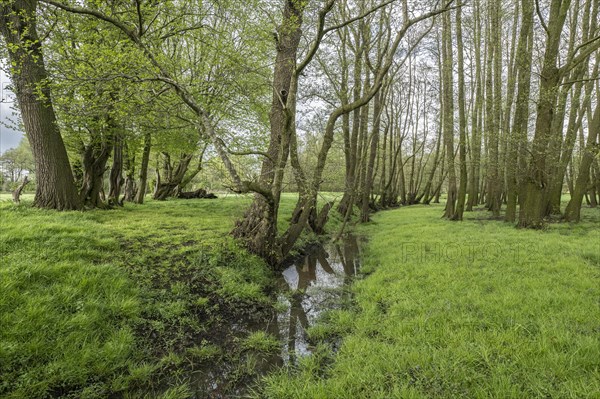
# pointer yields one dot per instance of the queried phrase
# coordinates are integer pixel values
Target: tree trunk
(94, 158)
(200, 193)
(475, 125)
(129, 186)
(369, 178)
(573, 210)
(448, 113)
(17, 193)
(595, 177)
(141, 191)
(382, 191)
(518, 136)
(425, 195)
(351, 143)
(532, 211)
(578, 107)
(462, 189)
(116, 172)
(168, 184)
(493, 109)
(258, 228)
(55, 184)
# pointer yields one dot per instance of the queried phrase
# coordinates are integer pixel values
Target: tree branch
(320, 33)
(138, 8)
(242, 153)
(539, 14)
(86, 11)
(359, 17)
(574, 61)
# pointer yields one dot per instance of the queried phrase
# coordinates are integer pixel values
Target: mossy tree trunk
(475, 147)
(94, 158)
(141, 191)
(426, 193)
(494, 108)
(448, 112)
(116, 171)
(172, 176)
(517, 144)
(580, 96)
(573, 210)
(462, 145)
(129, 188)
(258, 228)
(533, 209)
(351, 140)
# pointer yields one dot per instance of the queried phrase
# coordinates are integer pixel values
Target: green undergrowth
(128, 302)
(473, 309)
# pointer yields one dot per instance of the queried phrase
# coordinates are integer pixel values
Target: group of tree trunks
(497, 165)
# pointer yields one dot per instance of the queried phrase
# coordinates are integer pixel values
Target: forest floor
(476, 309)
(128, 302)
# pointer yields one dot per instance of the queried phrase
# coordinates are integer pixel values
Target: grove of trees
(15, 164)
(394, 102)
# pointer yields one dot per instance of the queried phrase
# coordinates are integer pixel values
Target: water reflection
(309, 287)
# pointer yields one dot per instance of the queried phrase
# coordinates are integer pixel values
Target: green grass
(126, 301)
(476, 309)
(131, 302)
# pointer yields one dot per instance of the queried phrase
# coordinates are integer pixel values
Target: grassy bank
(471, 309)
(129, 301)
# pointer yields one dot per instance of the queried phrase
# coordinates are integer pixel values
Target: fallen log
(200, 193)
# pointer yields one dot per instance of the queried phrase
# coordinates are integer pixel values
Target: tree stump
(17, 193)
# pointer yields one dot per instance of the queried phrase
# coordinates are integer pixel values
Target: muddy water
(310, 286)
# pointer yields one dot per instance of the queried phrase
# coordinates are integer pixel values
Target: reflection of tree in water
(344, 255)
(349, 256)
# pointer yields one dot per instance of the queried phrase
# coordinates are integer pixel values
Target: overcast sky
(9, 138)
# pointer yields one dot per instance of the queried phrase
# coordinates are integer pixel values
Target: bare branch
(571, 82)
(359, 17)
(242, 153)
(594, 44)
(138, 8)
(320, 33)
(539, 14)
(183, 30)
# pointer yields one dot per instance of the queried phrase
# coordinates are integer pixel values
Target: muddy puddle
(310, 286)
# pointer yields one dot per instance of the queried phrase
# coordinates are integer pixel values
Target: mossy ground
(127, 302)
(476, 309)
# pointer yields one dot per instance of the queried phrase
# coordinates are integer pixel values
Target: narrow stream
(310, 286)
